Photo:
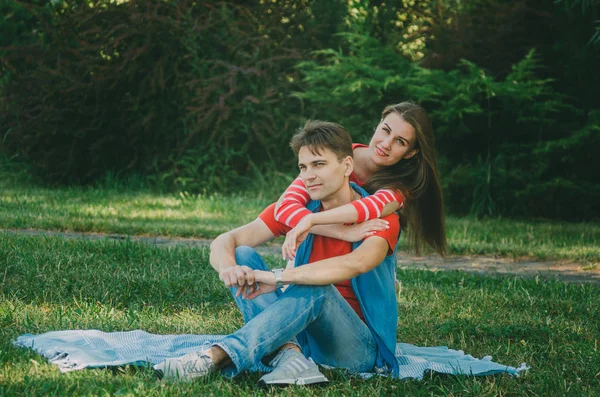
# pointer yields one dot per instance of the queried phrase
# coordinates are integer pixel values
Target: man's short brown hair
(317, 135)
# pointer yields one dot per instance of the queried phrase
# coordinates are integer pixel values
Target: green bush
(97, 90)
(193, 93)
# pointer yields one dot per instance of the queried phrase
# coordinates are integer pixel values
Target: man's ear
(411, 153)
(349, 165)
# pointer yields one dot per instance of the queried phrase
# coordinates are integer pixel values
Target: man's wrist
(278, 275)
(224, 267)
(287, 276)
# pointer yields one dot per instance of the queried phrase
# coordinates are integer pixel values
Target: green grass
(49, 283)
(576, 242)
(184, 215)
(134, 213)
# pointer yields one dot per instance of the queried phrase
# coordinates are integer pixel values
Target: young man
(339, 309)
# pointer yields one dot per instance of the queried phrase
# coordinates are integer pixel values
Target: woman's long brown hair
(418, 180)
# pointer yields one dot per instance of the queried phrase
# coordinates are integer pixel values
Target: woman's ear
(411, 154)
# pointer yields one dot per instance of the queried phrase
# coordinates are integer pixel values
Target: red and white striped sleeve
(293, 205)
(370, 207)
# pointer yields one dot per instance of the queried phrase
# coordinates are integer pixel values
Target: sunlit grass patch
(206, 216)
(111, 211)
(577, 242)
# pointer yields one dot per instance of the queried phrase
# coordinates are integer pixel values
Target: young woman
(399, 168)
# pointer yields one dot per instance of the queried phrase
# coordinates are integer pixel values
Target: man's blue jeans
(335, 335)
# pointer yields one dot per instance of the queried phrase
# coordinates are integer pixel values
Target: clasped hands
(248, 282)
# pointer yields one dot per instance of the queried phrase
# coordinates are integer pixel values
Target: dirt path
(558, 270)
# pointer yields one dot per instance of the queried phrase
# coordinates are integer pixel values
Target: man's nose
(309, 175)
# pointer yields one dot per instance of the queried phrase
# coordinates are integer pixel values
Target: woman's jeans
(331, 330)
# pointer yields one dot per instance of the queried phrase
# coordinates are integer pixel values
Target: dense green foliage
(53, 284)
(507, 146)
(150, 87)
(201, 96)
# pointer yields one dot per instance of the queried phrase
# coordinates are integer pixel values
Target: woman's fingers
(292, 241)
(291, 251)
(377, 224)
(288, 248)
(284, 250)
(373, 226)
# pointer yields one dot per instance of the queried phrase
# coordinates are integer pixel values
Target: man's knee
(247, 256)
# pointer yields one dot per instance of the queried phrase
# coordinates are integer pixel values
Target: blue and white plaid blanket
(78, 349)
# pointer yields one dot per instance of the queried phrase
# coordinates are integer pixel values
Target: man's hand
(266, 283)
(240, 277)
(295, 237)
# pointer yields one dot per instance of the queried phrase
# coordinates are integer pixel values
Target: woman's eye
(400, 141)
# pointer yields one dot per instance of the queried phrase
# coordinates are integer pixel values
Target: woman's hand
(360, 231)
(295, 237)
(264, 282)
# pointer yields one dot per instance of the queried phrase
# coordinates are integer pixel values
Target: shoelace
(191, 367)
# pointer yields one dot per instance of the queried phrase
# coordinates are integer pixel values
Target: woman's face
(393, 140)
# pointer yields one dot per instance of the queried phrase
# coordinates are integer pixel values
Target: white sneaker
(186, 368)
(292, 368)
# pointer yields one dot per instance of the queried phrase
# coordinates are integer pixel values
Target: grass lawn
(184, 215)
(50, 283)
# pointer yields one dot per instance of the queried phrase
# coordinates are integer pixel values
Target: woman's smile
(381, 152)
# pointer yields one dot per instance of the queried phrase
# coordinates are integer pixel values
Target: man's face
(323, 174)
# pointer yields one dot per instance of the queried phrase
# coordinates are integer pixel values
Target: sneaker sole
(305, 381)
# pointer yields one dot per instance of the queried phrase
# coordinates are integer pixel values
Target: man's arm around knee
(222, 252)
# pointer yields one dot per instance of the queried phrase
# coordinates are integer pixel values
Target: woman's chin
(380, 161)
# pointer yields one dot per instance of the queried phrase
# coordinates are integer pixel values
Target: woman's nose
(387, 143)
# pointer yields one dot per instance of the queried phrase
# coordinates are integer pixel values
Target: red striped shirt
(293, 205)
(328, 247)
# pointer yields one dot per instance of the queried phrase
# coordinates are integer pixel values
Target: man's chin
(316, 196)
